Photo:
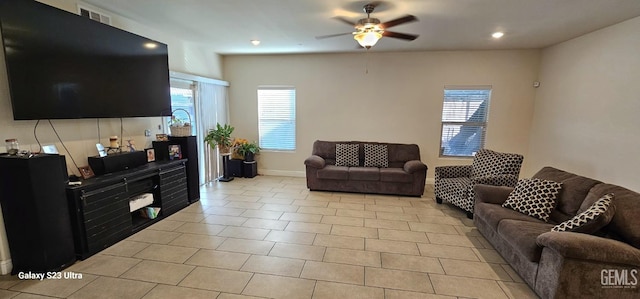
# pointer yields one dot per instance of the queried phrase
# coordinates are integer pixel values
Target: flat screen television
(64, 66)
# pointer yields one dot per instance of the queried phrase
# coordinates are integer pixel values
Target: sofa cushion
(333, 172)
(574, 190)
(521, 236)
(534, 197)
(592, 219)
(364, 173)
(376, 155)
(625, 222)
(347, 154)
(395, 175)
(492, 214)
(487, 163)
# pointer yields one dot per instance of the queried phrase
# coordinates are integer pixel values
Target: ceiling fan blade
(399, 21)
(400, 35)
(345, 21)
(332, 35)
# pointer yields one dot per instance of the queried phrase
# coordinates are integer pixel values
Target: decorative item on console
(131, 144)
(12, 146)
(162, 137)
(179, 127)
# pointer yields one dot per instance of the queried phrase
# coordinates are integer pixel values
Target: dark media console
(49, 224)
(100, 213)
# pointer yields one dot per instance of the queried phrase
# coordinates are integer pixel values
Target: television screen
(63, 66)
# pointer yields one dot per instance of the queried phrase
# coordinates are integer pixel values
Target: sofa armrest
(497, 180)
(491, 194)
(590, 247)
(453, 171)
(414, 166)
(315, 161)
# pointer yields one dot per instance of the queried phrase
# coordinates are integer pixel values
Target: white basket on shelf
(182, 130)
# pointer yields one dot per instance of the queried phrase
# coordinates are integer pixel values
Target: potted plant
(249, 149)
(220, 136)
(235, 148)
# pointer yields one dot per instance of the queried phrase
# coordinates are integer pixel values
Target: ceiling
(290, 26)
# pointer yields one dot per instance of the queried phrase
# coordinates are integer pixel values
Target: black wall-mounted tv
(64, 66)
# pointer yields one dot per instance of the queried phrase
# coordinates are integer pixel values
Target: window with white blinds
(277, 118)
(464, 120)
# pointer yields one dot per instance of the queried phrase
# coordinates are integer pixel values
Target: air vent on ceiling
(94, 15)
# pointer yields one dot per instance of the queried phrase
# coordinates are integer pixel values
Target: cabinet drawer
(173, 187)
(99, 198)
(172, 172)
(100, 231)
(100, 220)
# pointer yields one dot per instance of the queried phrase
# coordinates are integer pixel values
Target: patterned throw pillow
(376, 155)
(593, 219)
(534, 197)
(489, 163)
(347, 155)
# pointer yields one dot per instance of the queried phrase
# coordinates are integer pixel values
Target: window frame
(482, 124)
(292, 117)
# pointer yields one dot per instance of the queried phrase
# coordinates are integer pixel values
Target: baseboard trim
(6, 267)
(289, 173)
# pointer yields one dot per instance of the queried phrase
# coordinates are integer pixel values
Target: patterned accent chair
(454, 184)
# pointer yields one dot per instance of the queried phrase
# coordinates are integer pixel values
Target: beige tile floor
(269, 237)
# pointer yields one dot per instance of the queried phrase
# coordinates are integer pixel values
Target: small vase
(249, 157)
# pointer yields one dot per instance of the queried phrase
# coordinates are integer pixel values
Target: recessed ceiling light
(497, 34)
(255, 42)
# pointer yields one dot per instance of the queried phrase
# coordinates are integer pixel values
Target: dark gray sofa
(567, 264)
(405, 175)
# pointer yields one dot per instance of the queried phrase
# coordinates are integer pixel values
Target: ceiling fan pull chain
(366, 63)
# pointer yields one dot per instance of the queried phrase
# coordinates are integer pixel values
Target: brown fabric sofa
(567, 264)
(405, 175)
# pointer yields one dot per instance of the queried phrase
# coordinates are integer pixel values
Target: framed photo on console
(86, 172)
(175, 153)
(151, 154)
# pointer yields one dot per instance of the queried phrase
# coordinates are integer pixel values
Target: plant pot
(249, 157)
(223, 149)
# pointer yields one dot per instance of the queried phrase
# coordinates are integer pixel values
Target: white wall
(587, 110)
(398, 100)
(80, 136)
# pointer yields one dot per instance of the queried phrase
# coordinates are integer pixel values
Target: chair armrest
(453, 171)
(315, 161)
(509, 180)
(414, 166)
(590, 247)
(491, 194)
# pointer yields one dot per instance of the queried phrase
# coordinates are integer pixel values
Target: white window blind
(277, 118)
(464, 120)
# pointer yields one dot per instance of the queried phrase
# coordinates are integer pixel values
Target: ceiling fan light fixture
(367, 39)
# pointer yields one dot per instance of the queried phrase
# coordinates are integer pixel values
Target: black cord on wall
(65, 147)
(35, 135)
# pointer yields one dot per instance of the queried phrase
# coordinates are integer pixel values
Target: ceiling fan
(369, 30)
